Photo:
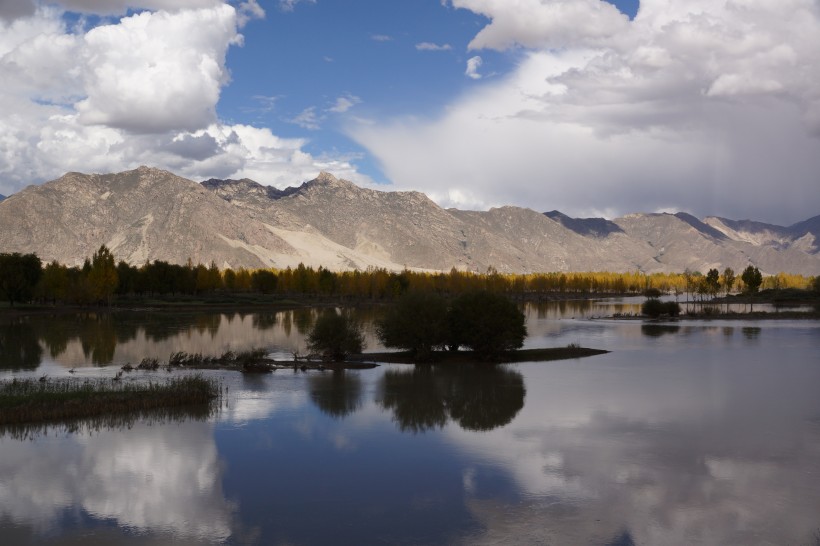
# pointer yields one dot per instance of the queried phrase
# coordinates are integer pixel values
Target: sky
(589, 107)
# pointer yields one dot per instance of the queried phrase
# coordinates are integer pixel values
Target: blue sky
(593, 108)
(367, 50)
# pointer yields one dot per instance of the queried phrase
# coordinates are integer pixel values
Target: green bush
(417, 322)
(335, 336)
(654, 308)
(487, 323)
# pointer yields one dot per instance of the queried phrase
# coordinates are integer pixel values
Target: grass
(37, 400)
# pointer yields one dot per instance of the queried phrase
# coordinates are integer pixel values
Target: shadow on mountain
(588, 227)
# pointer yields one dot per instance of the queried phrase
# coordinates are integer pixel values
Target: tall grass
(36, 400)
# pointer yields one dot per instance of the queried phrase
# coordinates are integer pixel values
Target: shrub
(335, 336)
(417, 322)
(487, 323)
(654, 308)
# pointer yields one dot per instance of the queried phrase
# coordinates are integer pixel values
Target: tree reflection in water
(19, 346)
(658, 330)
(337, 393)
(477, 397)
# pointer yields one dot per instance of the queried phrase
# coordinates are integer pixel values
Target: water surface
(686, 433)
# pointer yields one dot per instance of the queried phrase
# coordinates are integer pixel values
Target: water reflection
(97, 424)
(477, 398)
(337, 393)
(19, 346)
(658, 330)
(148, 479)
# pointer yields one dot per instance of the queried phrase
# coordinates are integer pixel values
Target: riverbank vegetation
(102, 281)
(35, 400)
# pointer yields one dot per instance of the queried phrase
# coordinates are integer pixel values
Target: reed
(36, 400)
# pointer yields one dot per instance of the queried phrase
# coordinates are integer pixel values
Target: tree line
(24, 278)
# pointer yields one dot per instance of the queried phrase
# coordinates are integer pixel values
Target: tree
(728, 282)
(19, 274)
(654, 308)
(728, 279)
(486, 322)
(53, 283)
(712, 282)
(335, 335)
(752, 279)
(264, 281)
(103, 277)
(417, 322)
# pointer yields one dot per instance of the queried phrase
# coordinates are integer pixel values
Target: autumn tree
(102, 277)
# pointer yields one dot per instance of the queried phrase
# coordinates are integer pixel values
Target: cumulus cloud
(707, 106)
(155, 72)
(473, 64)
(138, 91)
(544, 24)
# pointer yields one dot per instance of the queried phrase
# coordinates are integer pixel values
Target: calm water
(688, 433)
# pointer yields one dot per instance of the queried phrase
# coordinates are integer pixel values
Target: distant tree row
(23, 278)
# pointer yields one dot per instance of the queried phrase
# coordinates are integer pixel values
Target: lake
(695, 432)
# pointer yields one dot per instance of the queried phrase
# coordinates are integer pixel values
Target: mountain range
(150, 214)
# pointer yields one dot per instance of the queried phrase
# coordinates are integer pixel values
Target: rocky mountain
(148, 214)
(2, 197)
(145, 214)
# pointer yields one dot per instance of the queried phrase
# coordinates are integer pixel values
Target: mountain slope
(148, 214)
(145, 214)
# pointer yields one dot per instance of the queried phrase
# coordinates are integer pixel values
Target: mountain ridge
(149, 214)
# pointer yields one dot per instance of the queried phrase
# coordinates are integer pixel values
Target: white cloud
(308, 119)
(155, 72)
(248, 11)
(290, 5)
(380, 37)
(343, 104)
(430, 46)
(710, 106)
(541, 24)
(140, 91)
(14, 9)
(473, 64)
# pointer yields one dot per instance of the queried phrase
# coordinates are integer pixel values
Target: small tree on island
(488, 323)
(417, 322)
(335, 336)
(752, 279)
(654, 308)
